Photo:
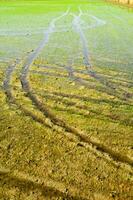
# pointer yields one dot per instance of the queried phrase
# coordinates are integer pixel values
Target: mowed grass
(66, 133)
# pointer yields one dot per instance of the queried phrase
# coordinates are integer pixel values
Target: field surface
(66, 100)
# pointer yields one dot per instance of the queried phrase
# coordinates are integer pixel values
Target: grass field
(66, 100)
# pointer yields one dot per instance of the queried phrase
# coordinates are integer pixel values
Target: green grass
(68, 134)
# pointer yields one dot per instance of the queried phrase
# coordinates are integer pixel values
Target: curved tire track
(55, 120)
(10, 97)
(108, 87)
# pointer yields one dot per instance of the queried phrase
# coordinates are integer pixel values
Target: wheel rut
(24, 78)
(108, 87)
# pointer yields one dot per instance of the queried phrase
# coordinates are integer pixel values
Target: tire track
(88, 84)
(85, 73)
(7, 81)
(26, 85)
(71, 71)
(9, 74)
(77, 27)
(99, 22)
(42, 44)
(123, 82)
(54, 119)
(10, 97)
(85, 98)
(109, 88)
(69, 103)
(7, 88)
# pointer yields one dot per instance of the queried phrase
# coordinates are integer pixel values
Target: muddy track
(84, 72)
(28, 89)
(8, 90)
(108, 87)
(11, 98)
(89, 85)
(71, 76)
(70, 105)
(86, 98)
(7, 81)
(44, 109)
(57, 121)
(104, 79)
(10, 70)
(82, 137)
(77, 28)
(71, 71)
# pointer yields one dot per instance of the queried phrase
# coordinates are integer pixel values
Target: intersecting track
(108, 87)
(43, 108)
(11, 98)
(57, 95)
